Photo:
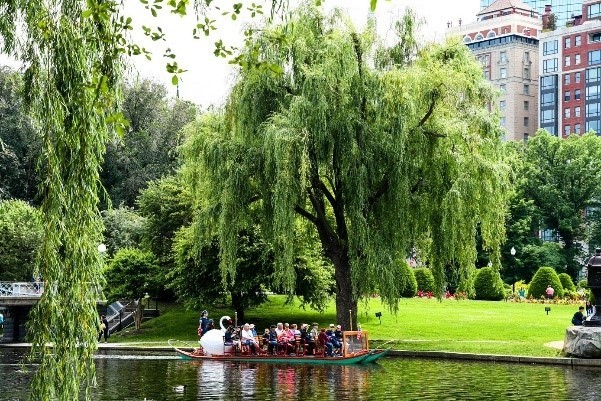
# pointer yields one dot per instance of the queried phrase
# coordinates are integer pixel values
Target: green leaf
(372, 5)
(153, 12)
(86, 13)
(174, 80)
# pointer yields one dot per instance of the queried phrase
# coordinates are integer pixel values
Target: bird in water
(180, 388)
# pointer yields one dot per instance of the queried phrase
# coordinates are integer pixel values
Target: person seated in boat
(252, 328)
(287, 341)
(265, 339)
(230, 338)
(248, 339)
(273, 340)
(279, 329)
(324, 340)
(294, 329)
(331, 333)
(310, 337)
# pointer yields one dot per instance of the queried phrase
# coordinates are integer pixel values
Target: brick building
(563, 9)
(570, 69)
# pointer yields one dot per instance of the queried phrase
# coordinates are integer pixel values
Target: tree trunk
(237, 299)
(346, 302)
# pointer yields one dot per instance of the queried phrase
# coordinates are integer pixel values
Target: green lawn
(421, 324)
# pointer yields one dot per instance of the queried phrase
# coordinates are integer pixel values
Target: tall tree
(148, 149)
(373, 160)
(563, 178)
(19, 143)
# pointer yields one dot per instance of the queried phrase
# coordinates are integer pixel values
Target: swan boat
(356, 351)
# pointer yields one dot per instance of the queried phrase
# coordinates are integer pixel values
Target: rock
(582, 342)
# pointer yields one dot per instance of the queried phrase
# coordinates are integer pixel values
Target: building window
(503, 56)
(526, 136)
(550, 65)
(566, 113)
(594, 57)
(502, 105)
(526, 105)
(503, 121)
(503, 88)
(577, 111)
(577, 128)
(594, 11)
(526, 121)
(548, 116)
(596, 37)
(577, 94)
(526, 73)
(593, 74)
(550, 47)
(592, 92)
(547, 99)
(567, 61)
(566, 96)
(487, 75)
(566, 79)
(577, 59)
(566, 130)
(567, 42)
(577, 77)
(503, 73)
(526, 57)
(577, 40)
(548, 82)
(467, 39)
(491, 34)
(592, 110)
(479, 37)
(526, 89)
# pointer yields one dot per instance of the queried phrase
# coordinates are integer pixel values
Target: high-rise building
(505, 41)
(570, 82)
(563, 9)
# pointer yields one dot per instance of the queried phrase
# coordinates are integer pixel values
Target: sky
(209, 78)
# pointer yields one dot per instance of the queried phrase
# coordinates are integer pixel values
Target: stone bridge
(16, 300)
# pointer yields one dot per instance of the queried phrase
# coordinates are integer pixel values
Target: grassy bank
(421, 324)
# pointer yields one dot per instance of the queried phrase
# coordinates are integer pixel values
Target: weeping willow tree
(72, 64)
(374, 160)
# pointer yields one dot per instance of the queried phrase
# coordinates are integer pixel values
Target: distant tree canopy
(148, 149)
(21, 234)
(373, 160)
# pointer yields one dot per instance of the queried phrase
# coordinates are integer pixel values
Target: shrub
(406, 280)
(583, 283)
(424, 279)
(488, 285)
(566, 282)
(542, 278)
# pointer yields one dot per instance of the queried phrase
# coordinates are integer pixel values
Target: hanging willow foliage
(72, 68)
(376, 160)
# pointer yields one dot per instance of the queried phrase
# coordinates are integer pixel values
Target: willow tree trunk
(346, 302)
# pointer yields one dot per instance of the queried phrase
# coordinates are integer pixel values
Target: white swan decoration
(180, 388)
(227, 319)
(212, 340)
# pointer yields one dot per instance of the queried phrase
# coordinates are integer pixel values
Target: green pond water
(137, 377)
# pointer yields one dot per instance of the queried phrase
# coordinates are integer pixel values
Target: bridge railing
(24, 289)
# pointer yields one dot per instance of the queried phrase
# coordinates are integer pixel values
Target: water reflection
(126, 378)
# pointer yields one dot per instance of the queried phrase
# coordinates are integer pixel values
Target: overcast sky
(209, 78)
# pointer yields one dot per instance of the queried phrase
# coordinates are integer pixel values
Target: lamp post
(594, 283)
(512, 252)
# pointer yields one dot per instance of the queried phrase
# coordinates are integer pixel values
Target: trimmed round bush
(424, 279)
(541, 279)
(407, 282)
(488, 285)
(567, 283)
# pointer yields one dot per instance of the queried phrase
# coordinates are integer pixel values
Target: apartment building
(505, 40)
(564, 10)
(570, 81)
